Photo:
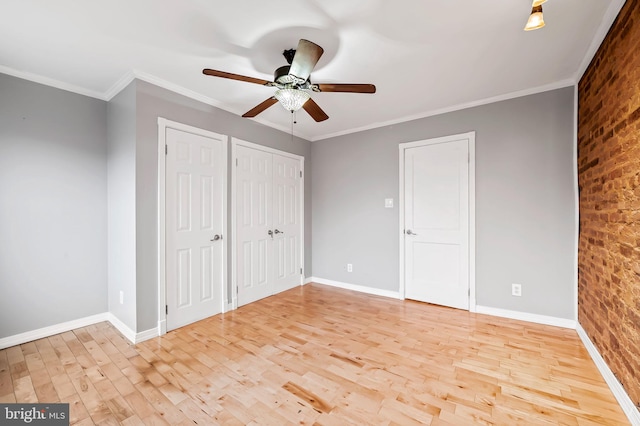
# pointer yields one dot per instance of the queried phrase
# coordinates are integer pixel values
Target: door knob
(270, 232)
(216, 237)
(279, 232)
(410, 232)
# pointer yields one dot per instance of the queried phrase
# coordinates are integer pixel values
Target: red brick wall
(609, 180)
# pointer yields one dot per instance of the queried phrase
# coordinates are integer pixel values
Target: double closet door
(268, 222)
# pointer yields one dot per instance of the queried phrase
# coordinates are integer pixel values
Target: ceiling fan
(293, 82)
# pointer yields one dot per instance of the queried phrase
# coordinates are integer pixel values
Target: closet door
(253, 223)
(268, 222)
(286, 222)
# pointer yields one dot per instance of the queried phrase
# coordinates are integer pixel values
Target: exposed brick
(609, 185)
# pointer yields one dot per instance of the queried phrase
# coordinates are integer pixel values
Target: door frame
(234, 144)
(163, 125)
(471, 138)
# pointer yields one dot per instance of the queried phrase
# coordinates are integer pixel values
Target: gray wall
(121, 121)
(53, 206)
(56, 148)
(153, 102)
(525, 202)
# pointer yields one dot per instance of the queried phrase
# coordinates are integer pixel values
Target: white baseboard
(131, 335)
(51, 330)
(128, 333)
(307, 280)
(146, 335)
(618, 391)
(525, 316)
(355, 287)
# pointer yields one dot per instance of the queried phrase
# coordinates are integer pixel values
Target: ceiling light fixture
(538, 2)
(292, 99)
(536, 20)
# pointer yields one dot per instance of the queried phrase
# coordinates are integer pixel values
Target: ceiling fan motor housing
(282, 76)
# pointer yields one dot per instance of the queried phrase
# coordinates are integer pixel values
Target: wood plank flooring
(319, 356)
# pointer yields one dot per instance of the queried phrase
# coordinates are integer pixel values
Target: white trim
(528, 317)
(512, 95)
(52, 330)
(128, 333)
(307, 280)
(127, 77)
(119, 85)
(359, 288)
(576, 196)
(36, 78)
(617, 389)
(472, 221)
(605, 25)
(29, 336)
(234, 261)
(163, 125)
(471, 137)
(146, 335)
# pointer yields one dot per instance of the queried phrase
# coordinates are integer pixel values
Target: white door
(254, 235)
(195, 167)
(436, 222)
(286, 222)
(268, 223)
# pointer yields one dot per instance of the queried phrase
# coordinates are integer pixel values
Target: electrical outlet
(516, 290)
(349, 267)
(121, 297)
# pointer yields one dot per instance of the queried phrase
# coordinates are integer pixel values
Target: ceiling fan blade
(260, 107)
(349, 88)
(305, 59)
(314, 110)
(216, 73)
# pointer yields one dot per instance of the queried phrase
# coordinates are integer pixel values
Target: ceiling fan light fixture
(292, 99)
(536, 20)
(538, 3)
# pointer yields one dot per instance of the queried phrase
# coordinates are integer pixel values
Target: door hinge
(166, 309)
(236, 162)
(300, 271)
(166, 150)
(300, 173)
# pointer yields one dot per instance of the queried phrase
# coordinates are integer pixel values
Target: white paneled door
(268, 223)
(287, 210)
(195, 167)
(436, 236)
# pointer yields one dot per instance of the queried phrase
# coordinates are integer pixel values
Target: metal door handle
(279, 232)
(410, 232)
(270, 232)
(216, 237)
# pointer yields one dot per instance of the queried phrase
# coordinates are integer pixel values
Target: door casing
(163, 124)
(471, 137)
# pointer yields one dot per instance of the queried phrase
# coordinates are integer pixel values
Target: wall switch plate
(349, 267)
(388, 203)
(516, 290)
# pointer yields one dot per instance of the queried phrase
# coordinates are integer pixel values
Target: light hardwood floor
(319, 355)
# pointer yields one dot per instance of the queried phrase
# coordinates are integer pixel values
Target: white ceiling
(424, 56)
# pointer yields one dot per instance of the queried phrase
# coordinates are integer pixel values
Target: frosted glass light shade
(538, 2)
(536, 20)
(292, 99)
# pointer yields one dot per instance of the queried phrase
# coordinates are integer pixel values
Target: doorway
(192, 168)
(437, 221)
